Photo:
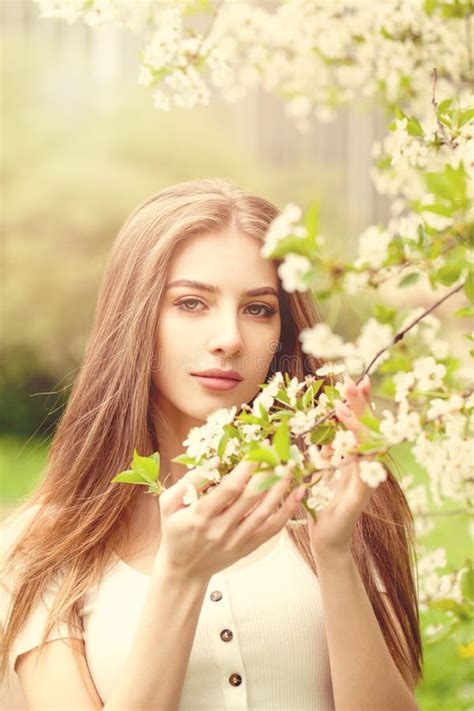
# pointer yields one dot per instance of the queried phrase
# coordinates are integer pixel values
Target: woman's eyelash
(268, 310)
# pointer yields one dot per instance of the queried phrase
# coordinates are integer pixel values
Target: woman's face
(216, 324)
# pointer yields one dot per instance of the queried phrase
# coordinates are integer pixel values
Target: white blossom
(443, 407)
(294, 272)
(321, 342)
(331, 369)
(403, 384)
(321, 496)
(372, 246)
(303, 421)
(372, 473)
(405, 426)
(191, 495)
(344, 443)
(428, 373)
(283, 226)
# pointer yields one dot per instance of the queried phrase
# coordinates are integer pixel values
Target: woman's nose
(226, 336)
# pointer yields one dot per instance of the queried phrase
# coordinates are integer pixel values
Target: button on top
(216, 595)
(226, 635)
(235, 679)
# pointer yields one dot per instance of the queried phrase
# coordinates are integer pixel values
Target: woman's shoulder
(15, 522)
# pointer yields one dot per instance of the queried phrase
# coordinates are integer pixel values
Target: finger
(324, 467)
(229, 489)
(326, 451)
(252, 499)
(266, 518)
(348, 418)
(366, 387)
(356, 400)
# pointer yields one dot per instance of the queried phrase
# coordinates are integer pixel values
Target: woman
(152, 604)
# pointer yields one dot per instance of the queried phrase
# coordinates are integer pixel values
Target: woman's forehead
(222, 258)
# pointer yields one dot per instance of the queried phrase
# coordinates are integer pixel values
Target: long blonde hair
(81, 518)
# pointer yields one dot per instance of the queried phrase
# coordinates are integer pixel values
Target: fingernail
(350, 385)
(300, 492)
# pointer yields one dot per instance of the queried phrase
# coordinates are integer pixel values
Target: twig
(448, 141)
(398, 337)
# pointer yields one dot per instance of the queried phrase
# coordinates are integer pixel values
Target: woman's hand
(226, 524)
(331, 534)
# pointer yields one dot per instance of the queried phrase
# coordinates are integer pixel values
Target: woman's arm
(364, 675)
(158, 658)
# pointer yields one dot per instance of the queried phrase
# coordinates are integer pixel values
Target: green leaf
(282, 396)
(281, 441)
(261, 454)
(444, 106)
(465, 116)
(222, 444)
(231, 430)
(184, 459)
(414, 127)
(395, 364)
(369, 446)
(129, 477)
(371, 422)
(248, 419)
(323, 294)
(311, 392)
(465, 312)
(331, 392)
(469, 287)
(147, 467)
(448, 274)
(467, 584)
(409, 279)
(263, 412)
(311, 221)
(383, 314)
(322, 434)
(460, 610)
(449, 185)
(279, 414)
(156, 457)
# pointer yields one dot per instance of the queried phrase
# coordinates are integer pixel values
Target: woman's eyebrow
(260, 291)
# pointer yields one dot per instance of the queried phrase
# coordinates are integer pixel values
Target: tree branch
(398, 337)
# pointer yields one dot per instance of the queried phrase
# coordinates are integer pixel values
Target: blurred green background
(82, 146)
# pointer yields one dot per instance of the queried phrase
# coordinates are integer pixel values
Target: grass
(21, 467)
(448, 684)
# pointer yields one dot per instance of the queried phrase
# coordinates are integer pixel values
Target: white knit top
(260, 642)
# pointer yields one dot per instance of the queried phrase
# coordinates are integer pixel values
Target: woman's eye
(184, 304)
(263, 311)
(267, 310)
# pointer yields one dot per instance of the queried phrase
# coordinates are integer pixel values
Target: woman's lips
(217, 383)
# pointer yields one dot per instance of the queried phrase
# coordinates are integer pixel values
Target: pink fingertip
(300, 492)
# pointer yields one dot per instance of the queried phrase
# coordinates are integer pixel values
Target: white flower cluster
(361, 49)
(202, 442)
(433, 585)
(321, 495)
(131, 15)
(321, 342)
(295, 272)
(449, 459)
(267, 397)
(284, 225)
